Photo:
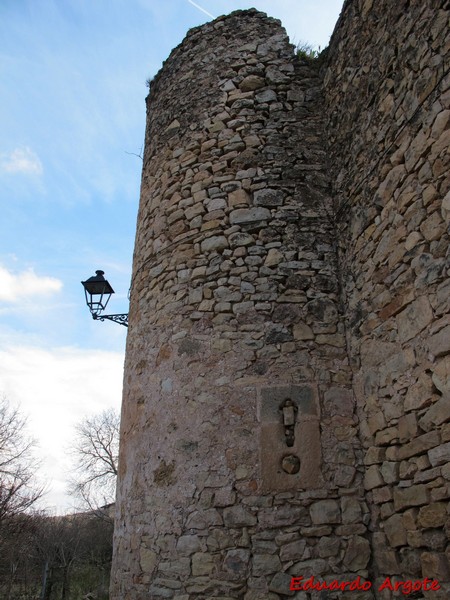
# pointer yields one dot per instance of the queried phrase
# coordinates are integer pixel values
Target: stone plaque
(290, 454)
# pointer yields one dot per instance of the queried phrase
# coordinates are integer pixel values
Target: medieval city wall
(284, 397)
(387, 90)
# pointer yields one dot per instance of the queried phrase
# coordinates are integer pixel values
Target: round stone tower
(239, 456)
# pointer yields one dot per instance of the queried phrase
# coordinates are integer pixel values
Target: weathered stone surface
(265, 564)
(358, 553)
(215, 243)
(395, 531)
(434, 515)
(373, 478)
(251, 82)
(325, 511)
(435, 566)
(242, 216)
(281, 584)
(414, 318)
(439, 344)
(420, 394)
(301, 331)
(238, 516)
(268, 197)
(236, 562)
(188, 544)
(290, 234)
(148, 560)
(415, 495)
(293, 550)
(240, 238)
(439, 455)
(441, 375)
(328, 546)
(438, 413)
(238, 198)
(315, 567)
(351, 510)
(419, 445)
(202, 564)
(281, 516)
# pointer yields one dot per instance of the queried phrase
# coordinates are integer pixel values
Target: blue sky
(72, 120)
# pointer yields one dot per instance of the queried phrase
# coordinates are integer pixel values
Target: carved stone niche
(290, 448)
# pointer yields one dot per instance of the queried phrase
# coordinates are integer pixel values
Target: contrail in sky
(202, 9)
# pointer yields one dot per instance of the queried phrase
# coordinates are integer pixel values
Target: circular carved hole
(290, 464)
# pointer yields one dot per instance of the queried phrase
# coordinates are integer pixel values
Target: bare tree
(96, 451)
(18, 489)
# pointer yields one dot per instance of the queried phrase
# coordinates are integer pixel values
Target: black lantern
(98, 291)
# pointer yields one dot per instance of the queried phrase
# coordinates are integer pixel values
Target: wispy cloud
(21, 160)
(202, 9)
(14, 287)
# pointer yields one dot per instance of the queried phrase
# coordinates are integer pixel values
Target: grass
(307, 51)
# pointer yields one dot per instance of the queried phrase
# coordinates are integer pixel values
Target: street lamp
(98, 291)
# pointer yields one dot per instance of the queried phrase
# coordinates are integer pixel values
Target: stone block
(252, 82)
(268, 197)
(414, 318)
(395, 531)
(420, 394)
(407, 427)
(439, 344)
(351, 510)
(389, 471)
(358, 553)
(438, 413)
(238, 516)
(385, 558)
(240, 238)
(435, 565)
(281, 516)
(382, 494)
(440, 455)
(324, 512)
(265, 564)
(148, 560)
(374, 455)
(315, 566)
(238, 198)
(419, 445)
(244, 216)
(339, 401)
(188, 544)
(301, 331)
(433, 515)
(215, 243)
(293, 550)
(328, 546)
(441, 375)
(202, 564)
(280, 584)
(273, 258)
(373, 478)
(416, 495)
(236, 562)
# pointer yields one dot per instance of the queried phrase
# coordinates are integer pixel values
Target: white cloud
(25, 285)
(55, 388)
(22, 160)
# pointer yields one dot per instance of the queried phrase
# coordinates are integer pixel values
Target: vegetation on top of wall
(307, 51)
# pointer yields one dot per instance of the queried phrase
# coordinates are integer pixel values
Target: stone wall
(234, 310)
(285, 387)
(387, 94)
